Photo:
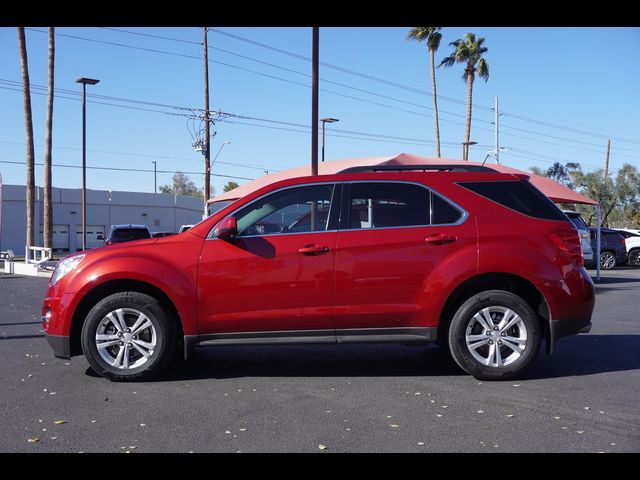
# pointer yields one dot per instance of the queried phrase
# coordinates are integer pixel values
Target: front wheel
(494, 335)
(127, 336)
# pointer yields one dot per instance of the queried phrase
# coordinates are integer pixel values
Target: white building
(160, 212)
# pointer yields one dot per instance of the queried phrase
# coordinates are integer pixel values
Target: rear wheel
(494, 335)
(608, 260)
(128, 337)
(634, 258)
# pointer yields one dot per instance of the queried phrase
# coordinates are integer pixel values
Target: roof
(552, 189)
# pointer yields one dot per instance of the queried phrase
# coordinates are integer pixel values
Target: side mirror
(226, 228)
(99, 237)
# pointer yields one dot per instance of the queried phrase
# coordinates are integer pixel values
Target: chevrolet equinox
(477, 261)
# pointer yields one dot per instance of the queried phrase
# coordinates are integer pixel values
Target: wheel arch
(497, 281)
(103, 290)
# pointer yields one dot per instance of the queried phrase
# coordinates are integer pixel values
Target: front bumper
(61, 346)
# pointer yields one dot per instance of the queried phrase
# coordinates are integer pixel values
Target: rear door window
(387, 205)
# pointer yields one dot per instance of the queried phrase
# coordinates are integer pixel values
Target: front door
(277, 274)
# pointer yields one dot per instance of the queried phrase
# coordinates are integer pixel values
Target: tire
(147, 352)
(608, 260)
(634, 258)
(475, 351)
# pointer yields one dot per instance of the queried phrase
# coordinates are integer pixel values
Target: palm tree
(432, 37)
(48, 207)
(28, 125)
(469, 50)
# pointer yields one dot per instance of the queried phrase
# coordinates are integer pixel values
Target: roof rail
(424, 168)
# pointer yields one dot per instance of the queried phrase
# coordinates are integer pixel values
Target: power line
(285, 123)
(569, 129)
(236, 116)
(163, 157)
(345, 70)
(424, 92)
(549, 157)
(348, 70)
(308, 86)
(569, 139)
(116, 169)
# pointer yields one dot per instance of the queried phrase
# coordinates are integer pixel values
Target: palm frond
(417, 33)
(448, 61)
(434, 40)
(483, 69)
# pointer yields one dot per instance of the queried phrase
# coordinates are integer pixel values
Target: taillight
(568, 241)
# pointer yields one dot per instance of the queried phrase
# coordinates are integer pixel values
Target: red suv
(478, 261)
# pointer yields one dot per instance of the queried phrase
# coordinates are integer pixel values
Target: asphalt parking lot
(357, 398)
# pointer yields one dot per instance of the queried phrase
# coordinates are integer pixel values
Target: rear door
(392, 235)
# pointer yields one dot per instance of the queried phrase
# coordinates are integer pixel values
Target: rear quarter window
(517, 195)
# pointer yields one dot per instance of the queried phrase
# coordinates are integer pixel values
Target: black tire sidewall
(465, 313)
(165, 336)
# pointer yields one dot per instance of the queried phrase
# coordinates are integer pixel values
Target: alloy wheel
(496, 336)
(126, 338)
(607, 260)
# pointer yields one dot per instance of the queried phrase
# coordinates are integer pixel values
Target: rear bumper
(570, 326)
(567, 327)
(61, 346)
(574, 306)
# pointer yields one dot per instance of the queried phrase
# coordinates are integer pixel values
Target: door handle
(313, 250)
(440, 238)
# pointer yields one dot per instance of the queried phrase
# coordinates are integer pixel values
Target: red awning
(552, 189)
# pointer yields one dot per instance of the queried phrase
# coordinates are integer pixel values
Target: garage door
(60, 237)
(93, 231)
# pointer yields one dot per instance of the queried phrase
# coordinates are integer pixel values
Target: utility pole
(606, 162)
(155, 183)
(207, 150)
(314, 102)
(314, 117)
(497, 138)
(0, 212)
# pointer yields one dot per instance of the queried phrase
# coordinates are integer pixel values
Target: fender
(175, 275)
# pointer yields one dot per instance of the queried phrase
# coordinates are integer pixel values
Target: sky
(562, 93)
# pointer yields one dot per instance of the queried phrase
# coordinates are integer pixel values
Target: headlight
(64, 267)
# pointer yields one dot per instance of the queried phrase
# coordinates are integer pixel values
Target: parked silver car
(585, 241)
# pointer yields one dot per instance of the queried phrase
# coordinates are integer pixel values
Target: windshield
(130, 234)
(578, 221)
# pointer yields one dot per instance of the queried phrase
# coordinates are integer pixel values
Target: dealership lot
(355, 398)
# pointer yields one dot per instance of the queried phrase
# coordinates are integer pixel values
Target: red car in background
(479, 261)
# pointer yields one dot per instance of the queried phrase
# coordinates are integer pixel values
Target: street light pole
(84, 82)
(155, 184)
(465, 149)
(216, 157)
(226, 142)
(326, 120)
